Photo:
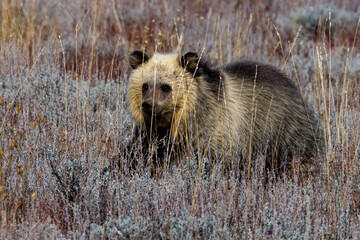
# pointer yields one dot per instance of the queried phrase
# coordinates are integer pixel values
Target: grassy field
(63, 114)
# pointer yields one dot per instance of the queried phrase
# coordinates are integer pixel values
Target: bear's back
(260, 73)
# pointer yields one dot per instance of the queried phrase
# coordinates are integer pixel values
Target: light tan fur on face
(164, 68)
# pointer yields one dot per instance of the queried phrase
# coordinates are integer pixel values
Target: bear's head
(162, 89)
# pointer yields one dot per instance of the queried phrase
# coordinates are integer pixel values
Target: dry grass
(63, 114)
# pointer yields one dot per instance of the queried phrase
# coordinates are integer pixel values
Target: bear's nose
(147, 107)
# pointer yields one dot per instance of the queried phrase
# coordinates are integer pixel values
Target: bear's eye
(165, 88)
(145, 87)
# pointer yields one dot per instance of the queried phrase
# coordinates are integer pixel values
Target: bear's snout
(147, 107)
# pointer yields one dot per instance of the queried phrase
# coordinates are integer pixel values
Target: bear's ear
(137, 58)
(190, 61)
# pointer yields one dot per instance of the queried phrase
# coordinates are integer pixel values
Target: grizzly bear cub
(243, 109)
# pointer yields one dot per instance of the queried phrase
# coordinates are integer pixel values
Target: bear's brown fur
(242, 108)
